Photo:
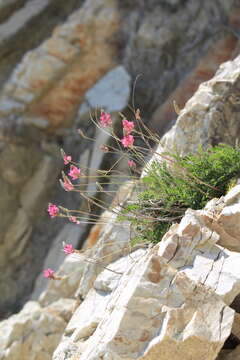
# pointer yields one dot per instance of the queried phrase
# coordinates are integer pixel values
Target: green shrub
(172, 186)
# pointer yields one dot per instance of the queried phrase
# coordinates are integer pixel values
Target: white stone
(18, 338)
(111, 92)
(87, 317)
(233, 195)
(193, 247)
(156, 310)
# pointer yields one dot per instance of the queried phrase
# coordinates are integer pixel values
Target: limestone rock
(44, 81)
(33, 333)
(112, 243)
(210, 116)
(167, 300)
(193, 246)
(159, 44)
(92, 310)
(228, 219)
(62, 307)
(157, 310)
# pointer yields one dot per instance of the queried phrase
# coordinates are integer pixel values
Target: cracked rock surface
(60, 58)
(115, 301)
(35, 331)
(154, 310)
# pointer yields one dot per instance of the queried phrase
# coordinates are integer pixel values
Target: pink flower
(131, 163)
(67, 159)
(53, 210)
(105, 119)
(74, 172)
(74, 219)
(127, 141)
(68, 249)
(128, 126)
(67, 185)
(48, 273)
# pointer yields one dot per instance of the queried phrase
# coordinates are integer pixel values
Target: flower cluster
(49, 273)
(74, 172)
(68, 249)
(53, 210)
(105, 119)
(128, 126)
(67, 159)
(128, 139)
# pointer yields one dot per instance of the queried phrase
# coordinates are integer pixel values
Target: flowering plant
(169, 187)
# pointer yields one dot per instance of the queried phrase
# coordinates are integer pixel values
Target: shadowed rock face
(168, 40)
(45, 74)
(24, 24)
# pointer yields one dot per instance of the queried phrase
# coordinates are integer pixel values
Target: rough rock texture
(211, 115)
(48, 74)
(162, 300)
(173, 299)
(203, 248)
(34, 332)
(193, 247)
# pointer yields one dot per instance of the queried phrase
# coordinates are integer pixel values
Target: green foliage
(172, 186)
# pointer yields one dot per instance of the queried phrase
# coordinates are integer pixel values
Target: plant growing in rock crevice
(162, 195)
(173, 185)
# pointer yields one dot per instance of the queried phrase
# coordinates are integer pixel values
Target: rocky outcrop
(204, 248)
(172, 299)
(50, 79)
(199, 247)
(34, 332)
(178, 298)
(211, 115)
(154, 310)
